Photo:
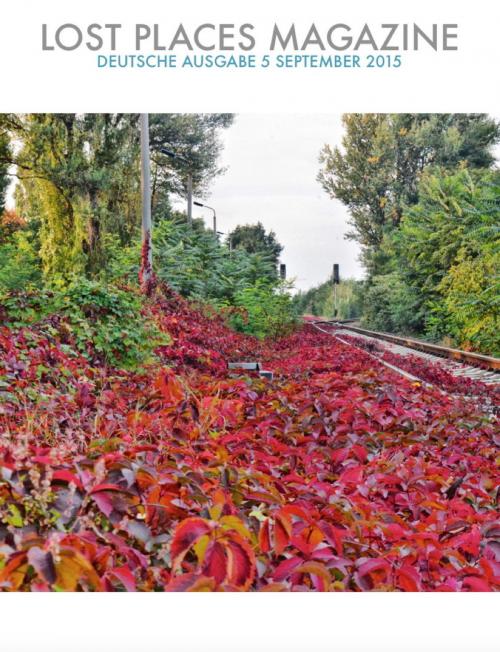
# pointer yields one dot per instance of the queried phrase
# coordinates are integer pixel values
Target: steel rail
(468, 357)
(401, 372)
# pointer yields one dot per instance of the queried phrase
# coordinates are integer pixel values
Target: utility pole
(190, 197)
(146, 269)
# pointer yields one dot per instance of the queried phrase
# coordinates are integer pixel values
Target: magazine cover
(249, 326)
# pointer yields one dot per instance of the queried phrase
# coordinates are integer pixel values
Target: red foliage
(10, 222)
(430, 372)
(147, 279)
(338, 475)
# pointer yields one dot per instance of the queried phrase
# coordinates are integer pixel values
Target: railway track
(464, 364)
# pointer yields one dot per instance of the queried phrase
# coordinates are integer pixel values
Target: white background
(457, 81)
(466, 80)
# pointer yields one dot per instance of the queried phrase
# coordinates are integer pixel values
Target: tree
(4, 168)
(419, 194)
(377, 170)
(254, 239)
(79, 175)
(358, 176)
(448, 251)
(195, 137)
(74, 171)
(441, 277)
(319, 300)
(110, 181)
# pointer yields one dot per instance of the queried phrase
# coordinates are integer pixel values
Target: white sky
(272, 165)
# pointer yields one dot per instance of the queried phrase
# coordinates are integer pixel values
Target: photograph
(249, 353)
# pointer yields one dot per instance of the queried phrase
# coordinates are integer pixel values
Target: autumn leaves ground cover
(337, 475)
(430, 372)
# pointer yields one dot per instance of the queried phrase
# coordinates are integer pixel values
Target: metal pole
(336, 281)
(215, 224)
(146, 272)
(190, 198)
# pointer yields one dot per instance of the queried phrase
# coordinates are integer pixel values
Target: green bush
(267, 311)
(19, 263)
(198, 266)
(449, 247)
(101, 320)
(438, 273)
(192, 261)
(389, 304)
(469, 312)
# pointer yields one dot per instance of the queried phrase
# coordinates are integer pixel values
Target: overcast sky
(272, 165)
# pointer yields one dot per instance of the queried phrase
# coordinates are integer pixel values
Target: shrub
(198, 266)
(268, 312)
(389, 304)
(103, 322)
(19, 263)
(192, 262)
(470, 310)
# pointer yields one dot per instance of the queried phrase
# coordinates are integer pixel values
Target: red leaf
(43, 459)
(264, 537)
(185, 535)
(339, 455)
(240, 563)
(372, 573)
(104, 501)
(295, 510)
(352, 475)
(373, 565)
(84, 396)
(476, 584)
(286, 568)
(126, 577)
(408, 578)
(43, 563)
(67, 476)
(190, 582)
(106, 487)
(170, 387)
(282, 532)
(334, 536)
(318, 572)
(394, 532)
(215, 564)
(360, 452)
(467, 542)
